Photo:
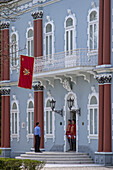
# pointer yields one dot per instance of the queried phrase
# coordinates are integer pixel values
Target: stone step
(58, 157)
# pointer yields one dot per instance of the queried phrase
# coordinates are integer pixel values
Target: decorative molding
(37, 14)
(93, 4)
(66, 85)
(4, 25)
(5, 91)
(104, 78)
(37, 87)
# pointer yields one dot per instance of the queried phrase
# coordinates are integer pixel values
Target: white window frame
(53, 121)
(29, 110)
(15, 111)
(15, 66)
(91, 106)
(49, 57)
(69, 29)
(29, 39)
(93, 51)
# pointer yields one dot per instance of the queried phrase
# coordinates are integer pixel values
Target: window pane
(31, 47)
(15, 54)
(93, 16)
(71, 40)
(32, 122)
(50, 44)
(47, 122)
(30, 33)
(95, 36)
(14, 106)
(28, 47)
(91, 121)
(15, 123)
(48, 28)
(46, 45)
(30, 104)
(67, 41)
(50, 122)
(12, 123)
(13, 38)
(91, 37)
(93, 100)
(29, 122)
(95, 121)
(69, 22)
(48, 104)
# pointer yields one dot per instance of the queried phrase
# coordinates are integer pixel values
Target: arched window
(14, 49)
(49, 120)
(93, 116)
(14, 119)
(30, 42)
(93, 30)
(49, 40)
(69, 35)
(30, 114)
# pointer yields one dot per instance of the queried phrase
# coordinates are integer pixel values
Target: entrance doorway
(70, 115)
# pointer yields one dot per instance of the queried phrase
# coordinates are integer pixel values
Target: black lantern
(52, 105)
(70, 103)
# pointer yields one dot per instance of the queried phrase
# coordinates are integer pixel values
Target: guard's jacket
(73, 131)
(68, 131)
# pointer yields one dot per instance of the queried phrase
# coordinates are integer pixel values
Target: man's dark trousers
(37, 143)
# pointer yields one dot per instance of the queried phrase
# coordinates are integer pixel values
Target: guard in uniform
(68, 133)
(73, 135)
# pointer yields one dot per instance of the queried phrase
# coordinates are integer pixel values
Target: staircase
(58, 157)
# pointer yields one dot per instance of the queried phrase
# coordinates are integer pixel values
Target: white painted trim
(93, 93)
(46, 136)
(15, 67)
(30, 39)
(68, 29)
(95, 52)
(77, 119)
(29, 110)
(12, 136)
(51, 22)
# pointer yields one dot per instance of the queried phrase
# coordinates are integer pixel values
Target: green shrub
(18, 164)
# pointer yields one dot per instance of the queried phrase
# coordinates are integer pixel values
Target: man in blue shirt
(37, 133)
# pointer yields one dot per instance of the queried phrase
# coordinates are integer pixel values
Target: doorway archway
(68, 115)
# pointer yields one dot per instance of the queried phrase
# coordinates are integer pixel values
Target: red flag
(26, 72)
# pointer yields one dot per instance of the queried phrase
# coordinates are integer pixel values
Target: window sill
(92, 52)
(93, 136)
(49, 136)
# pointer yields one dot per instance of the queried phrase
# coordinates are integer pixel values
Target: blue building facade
(63, 36)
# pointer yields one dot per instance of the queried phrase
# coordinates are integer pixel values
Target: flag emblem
(26, 72)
